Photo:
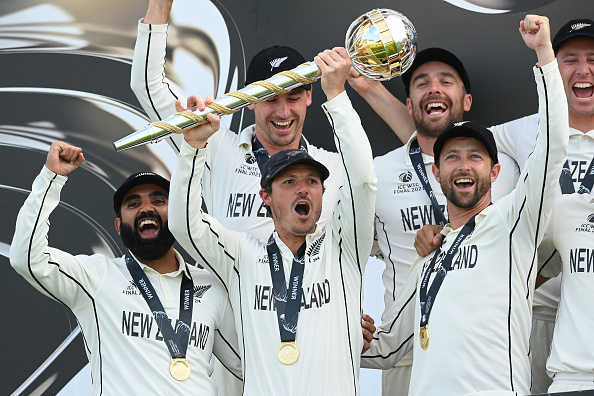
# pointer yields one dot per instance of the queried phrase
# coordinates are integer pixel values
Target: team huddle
(471, 223)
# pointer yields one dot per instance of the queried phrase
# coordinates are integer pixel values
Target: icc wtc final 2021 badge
(288, 353)
(179, 369)
(424, 337)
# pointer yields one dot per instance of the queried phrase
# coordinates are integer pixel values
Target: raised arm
(158, 12)
(56, 274)
(356, 208)
(202, 237)
(157, 95)
(536, 189)
(387, 106)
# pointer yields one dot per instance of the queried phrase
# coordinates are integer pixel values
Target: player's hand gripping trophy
(382, 44)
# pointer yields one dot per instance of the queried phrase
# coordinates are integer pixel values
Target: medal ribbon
(176, 341)
(417, 160)
(262, 155)
(567, 184)
(428, 298)
(287, 301)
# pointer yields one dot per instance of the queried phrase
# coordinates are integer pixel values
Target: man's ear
(409, 106)
(309, 97)
(118, 223)
(266, 198)
(495, 172)
(435, 171)
(467, 102)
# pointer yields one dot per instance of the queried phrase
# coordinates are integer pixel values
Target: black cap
(286, 158)
(134, 180)
(438, 55)
(272, 60)
(470, 129)
(572, 29)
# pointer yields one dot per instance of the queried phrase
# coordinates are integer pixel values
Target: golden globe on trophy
(382, 44)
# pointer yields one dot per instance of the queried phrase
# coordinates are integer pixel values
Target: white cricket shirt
(516, 138)
(231, 181)
(329, 327)
(403, 207)
(572, 237)
(481, 318)
(123, 342)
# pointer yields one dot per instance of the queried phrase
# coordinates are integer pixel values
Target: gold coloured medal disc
(179, 369)
(424, 337)
(288, 353)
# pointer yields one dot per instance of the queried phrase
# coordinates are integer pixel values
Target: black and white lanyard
(176, 341)
(417, 160)
(427, 298)
(287, 299)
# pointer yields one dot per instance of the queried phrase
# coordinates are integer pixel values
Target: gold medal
(179, 369)
(288, 353)
(424, 337)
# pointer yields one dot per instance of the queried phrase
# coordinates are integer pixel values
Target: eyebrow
(151, 195)
(441, 74)
(574, 53)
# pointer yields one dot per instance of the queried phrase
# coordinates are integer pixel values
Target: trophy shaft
(382, 44)
(152, 134)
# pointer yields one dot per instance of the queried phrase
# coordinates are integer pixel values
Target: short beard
(481, 190)
(429, 130)
(432, 130)
(147, 249)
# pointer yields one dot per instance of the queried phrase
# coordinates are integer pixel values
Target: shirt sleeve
(57, 274)
(226, 346)
(394, 338)
(213, 246)
(506, 137)
(156, 93)
(549, 259)
(531, 202)
(353, 217)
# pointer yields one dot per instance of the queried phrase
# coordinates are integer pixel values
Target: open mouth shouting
(302, 208)
(583, 90)
(464, 183)
(148, 227)
(435, 108)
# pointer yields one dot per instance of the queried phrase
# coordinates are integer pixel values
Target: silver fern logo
(200, 290)
(579, 26)
(314, 248)
(276, 62)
